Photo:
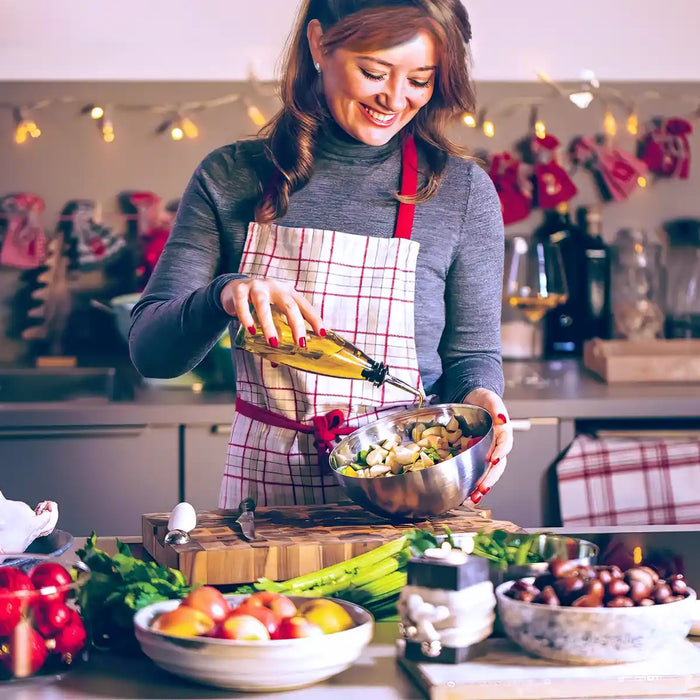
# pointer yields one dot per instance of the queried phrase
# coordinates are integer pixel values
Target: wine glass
(534, 282)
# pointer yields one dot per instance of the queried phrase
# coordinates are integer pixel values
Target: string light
(642, 181)
(489, 128)
(24, 126)
(582, 98)
(540, 129)
(256, 116)
(97, 112)
(176, 132)
(632, 123)
(609, 123)
(469, 120)
(189, 128)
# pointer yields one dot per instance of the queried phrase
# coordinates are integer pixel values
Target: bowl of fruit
(234, 641)
(41, 628)
(594, 615)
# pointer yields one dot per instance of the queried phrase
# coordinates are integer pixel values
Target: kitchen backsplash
(71, 161)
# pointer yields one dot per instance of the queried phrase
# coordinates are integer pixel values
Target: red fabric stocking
(511, 179)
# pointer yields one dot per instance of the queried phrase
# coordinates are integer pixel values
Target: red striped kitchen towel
(630, 481)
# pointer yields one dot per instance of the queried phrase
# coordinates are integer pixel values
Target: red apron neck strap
(409, 186)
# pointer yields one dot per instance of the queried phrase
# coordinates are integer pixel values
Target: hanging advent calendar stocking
(553, 185)
(24, 242)
(511, 177)
(666, 149)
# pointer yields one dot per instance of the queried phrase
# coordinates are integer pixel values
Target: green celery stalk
(368, 574)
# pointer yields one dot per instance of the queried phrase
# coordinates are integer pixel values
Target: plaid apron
(286, 419)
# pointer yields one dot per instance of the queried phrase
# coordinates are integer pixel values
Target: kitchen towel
(630, 481)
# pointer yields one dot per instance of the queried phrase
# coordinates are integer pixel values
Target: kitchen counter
(561, 389)
(375, 675)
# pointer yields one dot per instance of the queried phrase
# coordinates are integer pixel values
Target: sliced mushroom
(404, 455)
(438, 430)
(417, 432)
(452, 424)
(425, 460)
(376, 456)
(379, 470)
(454, 437)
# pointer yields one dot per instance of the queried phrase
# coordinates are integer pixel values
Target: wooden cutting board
(506, 672)
(299, 540)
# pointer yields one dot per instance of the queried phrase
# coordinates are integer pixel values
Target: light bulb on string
(609, 123)
(107, 129)
(176, 132)
(632, 123)
(189, 128)
(469, 120)
(540, 129)
(97, 112)
(24, 126)
(255, 115)
(489, 128)
(642, 181)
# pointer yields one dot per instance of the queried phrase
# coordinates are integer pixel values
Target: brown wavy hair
(365, 25)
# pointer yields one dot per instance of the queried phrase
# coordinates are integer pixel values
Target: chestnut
(652, 572)
(617, 587)
(644, 602)
(548, 597)
(674, 599)
(620, 602)
(586, 572)
(569, 588)
(642, 575)
(640, 589)
(678, 585)
(616, 571)
(594, 587)
(544, 580)
(561, 567)
(662, 591)
(604, 576)
(588, 601)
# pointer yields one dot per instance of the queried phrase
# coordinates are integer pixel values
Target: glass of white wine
(534, 282)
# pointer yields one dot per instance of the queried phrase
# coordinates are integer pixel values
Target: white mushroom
(454, 437)
(378, 470)
(376, 456)
(404, 455)
(452, 424)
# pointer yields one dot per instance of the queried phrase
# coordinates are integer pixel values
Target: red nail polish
(252, 330)
(322, 332)
(502, 418)
(484, 489)
(302, 342)
(495, 461)
(476, 497)
(273, 341)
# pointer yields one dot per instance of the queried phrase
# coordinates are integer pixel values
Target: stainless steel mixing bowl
(420, 494)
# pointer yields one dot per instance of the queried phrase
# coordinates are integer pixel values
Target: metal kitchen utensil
(417, 494)
(183, 518)
(246, 520)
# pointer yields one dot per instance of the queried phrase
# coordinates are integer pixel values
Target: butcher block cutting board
(299, 540)
(505, 673)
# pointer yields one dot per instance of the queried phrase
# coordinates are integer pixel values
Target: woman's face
(374, 94)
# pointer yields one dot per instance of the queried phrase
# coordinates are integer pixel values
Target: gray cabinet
(524, 494)
(204, 457)
(103, 478)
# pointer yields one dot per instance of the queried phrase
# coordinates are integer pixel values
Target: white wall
(222, 39)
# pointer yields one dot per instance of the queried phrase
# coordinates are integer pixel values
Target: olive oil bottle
(331, 355)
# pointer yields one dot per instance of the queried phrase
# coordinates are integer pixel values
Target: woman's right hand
(239, 294)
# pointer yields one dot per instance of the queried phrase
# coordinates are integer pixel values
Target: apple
(279, 604)
(183, 621)
(243, 627)
(296, 628)
(327, 614)
(265, 615)
(50, 574)
(208, 600)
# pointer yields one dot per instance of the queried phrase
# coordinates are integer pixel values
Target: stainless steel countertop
(554, 389)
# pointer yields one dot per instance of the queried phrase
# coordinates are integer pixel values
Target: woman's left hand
(502, 444)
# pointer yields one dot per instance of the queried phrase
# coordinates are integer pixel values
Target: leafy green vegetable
(506, 549)
(118, 586)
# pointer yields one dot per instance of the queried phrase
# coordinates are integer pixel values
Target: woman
(414, 279)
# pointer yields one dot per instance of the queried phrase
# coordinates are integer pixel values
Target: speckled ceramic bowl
(594, 636)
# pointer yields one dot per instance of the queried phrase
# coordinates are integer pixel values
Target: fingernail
(502, 418)
(322, 332)
(495, 461)
(273, 341)
(302, 342)
(252, 330)
(484, 490)
(476, 497)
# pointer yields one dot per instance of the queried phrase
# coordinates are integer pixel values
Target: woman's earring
(317, 66)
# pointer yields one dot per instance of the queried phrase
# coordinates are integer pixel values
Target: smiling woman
(352, 211)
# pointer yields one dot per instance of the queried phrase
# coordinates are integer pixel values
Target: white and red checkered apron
(286, 420)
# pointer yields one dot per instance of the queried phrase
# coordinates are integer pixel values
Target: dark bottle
(563, 326)
(596, 276)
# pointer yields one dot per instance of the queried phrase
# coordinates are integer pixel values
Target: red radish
(51, 574)
(26, 651)
(70, 639)
(50, 617)
(15, 579)
(10, 611)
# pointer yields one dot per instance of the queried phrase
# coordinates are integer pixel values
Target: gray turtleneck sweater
(459, 269)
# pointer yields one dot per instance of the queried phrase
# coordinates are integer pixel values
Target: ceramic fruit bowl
(259, 666)
(594, 635)
(432, 490)
(41, 628)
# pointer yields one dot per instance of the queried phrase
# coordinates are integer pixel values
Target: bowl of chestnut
(594, 615)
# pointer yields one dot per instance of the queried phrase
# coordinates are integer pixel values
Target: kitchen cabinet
(84, 40)
(204, 456)
(525, 493)
(102, 477)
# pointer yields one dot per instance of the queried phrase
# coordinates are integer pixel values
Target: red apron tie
(326, 429)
